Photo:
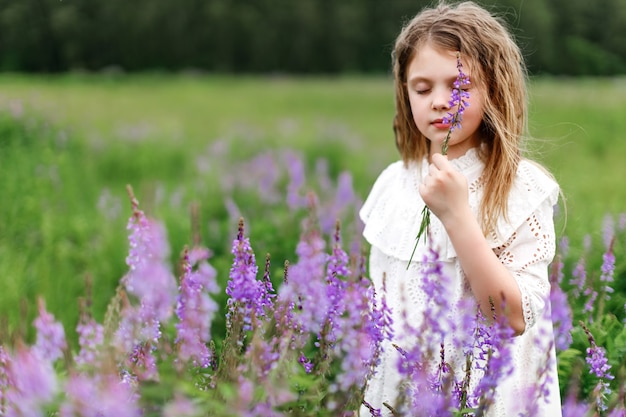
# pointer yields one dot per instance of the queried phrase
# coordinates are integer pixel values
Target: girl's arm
(444, 191)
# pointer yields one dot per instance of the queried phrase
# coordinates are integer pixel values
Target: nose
(441, 99)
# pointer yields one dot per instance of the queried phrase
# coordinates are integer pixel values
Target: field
(202, 151)
(89, 136)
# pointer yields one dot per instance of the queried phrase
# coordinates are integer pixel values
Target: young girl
(492, 209)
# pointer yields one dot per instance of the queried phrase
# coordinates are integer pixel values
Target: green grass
(65, 140)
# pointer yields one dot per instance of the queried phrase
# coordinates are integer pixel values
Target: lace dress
(525, 244)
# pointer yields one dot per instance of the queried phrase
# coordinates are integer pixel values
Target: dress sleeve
(529, 249)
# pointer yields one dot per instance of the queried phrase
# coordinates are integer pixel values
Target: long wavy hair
(496, 66)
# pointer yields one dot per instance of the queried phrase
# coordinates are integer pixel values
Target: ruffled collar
(392, 211)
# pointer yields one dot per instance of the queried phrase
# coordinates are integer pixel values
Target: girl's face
(430, 76)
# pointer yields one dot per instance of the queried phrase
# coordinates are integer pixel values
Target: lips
(439, 124)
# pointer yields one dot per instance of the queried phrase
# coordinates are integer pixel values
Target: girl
(492, 209)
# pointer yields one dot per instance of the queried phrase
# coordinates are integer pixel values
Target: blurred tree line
(571, 37)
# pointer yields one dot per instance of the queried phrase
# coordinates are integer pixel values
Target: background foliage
(568, 37)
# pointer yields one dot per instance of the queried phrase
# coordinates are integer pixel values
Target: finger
(432, 169)
(440, 161)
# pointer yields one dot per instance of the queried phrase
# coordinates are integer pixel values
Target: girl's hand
(444, 190)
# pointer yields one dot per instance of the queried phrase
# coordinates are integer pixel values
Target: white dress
(525, 244)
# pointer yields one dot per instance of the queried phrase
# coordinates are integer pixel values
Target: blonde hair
(496, 66)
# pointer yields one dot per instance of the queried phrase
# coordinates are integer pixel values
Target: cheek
(417, 105)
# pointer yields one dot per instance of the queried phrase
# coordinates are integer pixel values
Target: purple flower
(261, 174)
(32, 383)
(306, 363)
(4, 380)
(598, 366)
(306, 287)
(195, 308)
(459, 98)
(245, 291)
(494, 361)
(593, 295)
(142, 362)
(344, 197)
(608, 269)
(359, 334)
(232, 208)
(90, 339)
(573, 408)
(96, 396)
(608, 231)
(561, 312)
(149, 277)
(50, 335)
(295, 168)
(579, 277)
(375, 412)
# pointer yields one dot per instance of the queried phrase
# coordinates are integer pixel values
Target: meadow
(196, 149)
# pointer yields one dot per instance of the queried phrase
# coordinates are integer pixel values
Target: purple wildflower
(151, 282)
(195, 308)
(90, 340)
(593, 295)
(262, 174)
(337, 267)
(599, 366)
(435, 285)
(359, 336)
(561, 312)
(541, 389)
(263, 355)
(375, 412)
(232, 208)
(573, 408)
(494, 361)
(50, 341)
(306, 363)
(142, 362)
(344, 197)
(295, 168)
(579, 277)
(4, 380)
(608, 268)
(379, 325)
(149, 277)
(243, 287)
(101, 395)
(32, 383)
(321, 175)
(459, 100)
(306, 288)
(267, 293)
